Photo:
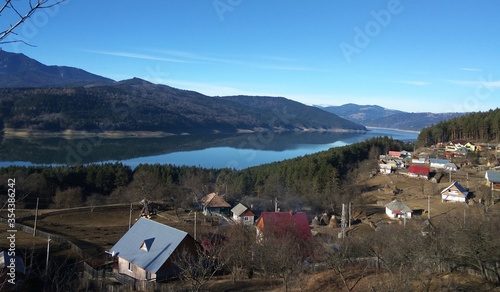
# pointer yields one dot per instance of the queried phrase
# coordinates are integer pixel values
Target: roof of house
(5, 259)
(148, 244)
(281, 222)
(213, 200)
(398, 205)
(420, 170)
(492, 176)
(438, 161)
(241, 210)
(458, 186)
(450, 165)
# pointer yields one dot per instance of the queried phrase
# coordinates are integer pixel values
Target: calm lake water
(214, 150)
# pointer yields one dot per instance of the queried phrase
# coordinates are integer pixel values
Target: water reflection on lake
(215, 150)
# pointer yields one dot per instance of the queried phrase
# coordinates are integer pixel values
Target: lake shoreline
(73, 134)
(395, 129)
(209, 150)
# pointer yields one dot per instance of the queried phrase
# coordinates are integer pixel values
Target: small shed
(396, 209)
(454, 193)
(242, 214)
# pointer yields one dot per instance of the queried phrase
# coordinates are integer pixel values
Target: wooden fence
(63, 242)
(114, 281)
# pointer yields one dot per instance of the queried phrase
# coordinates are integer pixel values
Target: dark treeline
(320, 181)
(481, 127)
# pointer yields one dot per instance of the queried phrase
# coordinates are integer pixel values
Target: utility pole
(429, 206)
(47, 261)
(492, 194)
(350, 206)
(275, 204)
(130, 216)
(342, 222)
(195, 225)
(36, 216)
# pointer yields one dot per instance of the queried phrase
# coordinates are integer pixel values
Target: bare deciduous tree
(14, 13)
(197, 269)
(341, 258)
(237, 249)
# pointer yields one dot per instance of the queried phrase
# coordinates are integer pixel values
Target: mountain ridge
(136, 105)
(377, 116)
(19, 71)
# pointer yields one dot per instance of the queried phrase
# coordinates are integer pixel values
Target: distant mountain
(138, 105)
(18, 70)
(377, 116)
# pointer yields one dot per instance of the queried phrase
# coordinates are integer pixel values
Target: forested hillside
(137, 105)
(478, 127)
(318, 181)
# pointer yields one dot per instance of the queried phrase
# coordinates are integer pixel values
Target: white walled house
(454, 193)
(438, 163)
(385, 168)
(398, 210)
(242, 214)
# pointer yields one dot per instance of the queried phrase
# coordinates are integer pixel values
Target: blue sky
(417, 56)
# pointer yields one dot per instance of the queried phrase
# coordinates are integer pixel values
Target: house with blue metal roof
(147, 251)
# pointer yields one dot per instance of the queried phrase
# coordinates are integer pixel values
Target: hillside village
(359, 211)
(412, 190)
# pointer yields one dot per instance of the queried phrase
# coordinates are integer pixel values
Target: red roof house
(394, 153)
(284, 223)
(418, 171)
(286, 226)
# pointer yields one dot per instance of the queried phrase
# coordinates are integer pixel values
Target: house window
(148, 275)
(130, 266)
(246, 218)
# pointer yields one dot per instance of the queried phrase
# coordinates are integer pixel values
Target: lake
(210, 151)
